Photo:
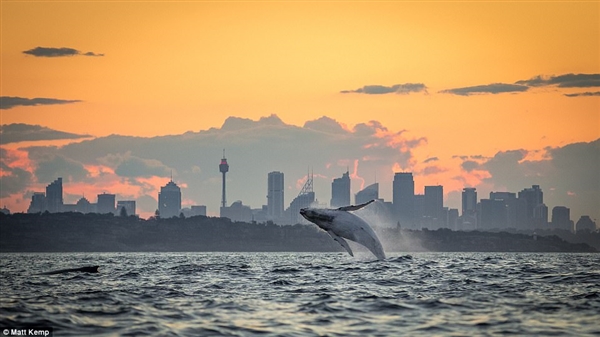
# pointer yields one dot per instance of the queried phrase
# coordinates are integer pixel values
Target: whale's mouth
(304, 213)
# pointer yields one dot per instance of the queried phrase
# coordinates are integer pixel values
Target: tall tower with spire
(223, 168)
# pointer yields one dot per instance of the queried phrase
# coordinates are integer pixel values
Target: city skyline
(503, 210)
(452, 197)
(460, 94)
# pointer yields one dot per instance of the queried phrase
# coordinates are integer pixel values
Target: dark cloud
(431, 170)
(469, 165)
(495, 88)
(13, 179)
(431, 159)
(7, 102)
(138, 167)
(369, 129)
(564, 81)
(580, 94)
(405, 88)
(57, 52)
(568, 175)
(50, 167)
(14, 133)
(89, 53)
(474, 157)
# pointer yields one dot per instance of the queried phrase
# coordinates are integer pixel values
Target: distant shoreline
(76, 232)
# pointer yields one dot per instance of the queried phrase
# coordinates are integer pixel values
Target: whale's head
(320, 217)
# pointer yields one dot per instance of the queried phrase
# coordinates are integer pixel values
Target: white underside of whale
(340, 224)
(349, 226)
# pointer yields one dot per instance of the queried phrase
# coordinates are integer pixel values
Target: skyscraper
(54, 196)
(275, 191)
(513, 207)
(305, 198)
(128, 205)
(533, 197)
(169, 200)
(469, 201)
(434, 205)
(106, 203)
(403, 197)
(369, 193)
(492, 214)
(340, 191)
(561, 218)
(38, 203)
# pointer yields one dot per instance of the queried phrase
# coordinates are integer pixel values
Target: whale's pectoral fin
(341, 241)
(354, 207)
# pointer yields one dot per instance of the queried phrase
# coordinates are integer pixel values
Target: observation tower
(224, 168)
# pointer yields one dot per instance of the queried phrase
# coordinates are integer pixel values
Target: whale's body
(340, 224)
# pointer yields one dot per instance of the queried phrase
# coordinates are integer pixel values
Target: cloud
(253, 149)
(7, 102)
(580, 94)
(431, 159)
(495, 88)
(568, 175)
(564, 81)
(13, 179)
(325, 124)
(138, 167)
(57, 52)
(14, 133)
(469, 165)
(50, 167)
(431, 170)
(404, 89)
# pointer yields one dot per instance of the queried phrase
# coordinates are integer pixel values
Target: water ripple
(303, 294)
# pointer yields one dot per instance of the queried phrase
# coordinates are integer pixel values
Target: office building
(169, 200)
(403, 198)
(367, 194)
(585, 224)
(340, 191)
(38, 203)
(306, 198)
(128, 205)
(561, 218)
(434, 200)
(237, 212)
(469, 201)
(84, 206)
(54, 196)
(275, 193)
(492, 214)
(106, 203)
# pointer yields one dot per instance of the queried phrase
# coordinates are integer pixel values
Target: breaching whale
(340, 224)
(89, 269)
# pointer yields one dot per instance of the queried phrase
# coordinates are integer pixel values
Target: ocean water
(303, 294)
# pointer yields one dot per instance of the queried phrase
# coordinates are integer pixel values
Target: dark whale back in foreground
(89, 269)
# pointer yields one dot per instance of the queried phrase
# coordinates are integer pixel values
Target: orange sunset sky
(165, 68)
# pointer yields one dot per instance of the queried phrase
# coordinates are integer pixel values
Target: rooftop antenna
(308, 185)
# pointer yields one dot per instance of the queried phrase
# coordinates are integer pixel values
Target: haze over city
(120, 97)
